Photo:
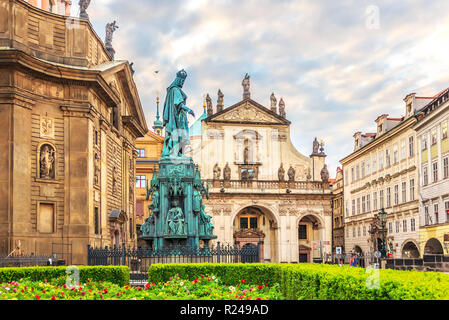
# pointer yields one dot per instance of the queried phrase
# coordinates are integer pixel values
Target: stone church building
(262, 190)
(70, 115)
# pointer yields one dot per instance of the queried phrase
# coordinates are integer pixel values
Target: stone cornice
(17, 99)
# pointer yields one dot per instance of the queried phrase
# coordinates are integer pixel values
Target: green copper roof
(197, 129)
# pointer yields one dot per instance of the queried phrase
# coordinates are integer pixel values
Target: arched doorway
(433, 247)
(310, 239)
(257, 225)
(410, 250)
(358, 252)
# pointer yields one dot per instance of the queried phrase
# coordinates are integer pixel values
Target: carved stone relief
(47, 127)
(47, 162)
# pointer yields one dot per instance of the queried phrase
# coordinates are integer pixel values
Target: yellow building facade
(433, 146)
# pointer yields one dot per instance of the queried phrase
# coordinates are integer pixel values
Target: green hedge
(115, 274)
(318, 281)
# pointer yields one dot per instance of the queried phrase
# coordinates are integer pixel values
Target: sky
(338, 65)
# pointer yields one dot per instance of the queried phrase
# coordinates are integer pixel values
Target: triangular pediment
(248, 111)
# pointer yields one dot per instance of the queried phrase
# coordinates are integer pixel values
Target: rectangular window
(412, 189)
(410, 146)
(375, 201)
(381, 199)
(363, 169)
(425, 176)
(140, 181)
(243, 223)
(424, 142)
(404, 225)
(368, 170)
(435, 211)
(363, 205)
(131, 228)
(357, 172)
(435, 171)
(387, 158)
(446, 168)
(46, 218)
(444, 130)
(353, 206)
(358, 232)
(96, 221)
(388, 197)
(397, 226)
(446, 207)
(253, 223)
(396, 195)
(427, 216)
(390, 227)
(346, 177)
(374, 161)
(358, 205)
(302, 232)
(353, 232)
(433, 137)
(352, 174)
(140, 153)
(395, 155)
(403, 150)
(368, 203)
(412, 224)
(404, 192)
(364, 231)
(381, 161)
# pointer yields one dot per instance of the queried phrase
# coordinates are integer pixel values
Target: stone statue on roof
(246, 84)
(84, 4)
(110, 29)
(282, 108)
(325, 174)
(210, 109)
(273, 101)
(220, 103)
(281, 173)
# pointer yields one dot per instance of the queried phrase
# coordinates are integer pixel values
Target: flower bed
(201, 288)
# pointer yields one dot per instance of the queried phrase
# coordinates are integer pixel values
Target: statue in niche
(217, 172)
(325, 174)
(175, 219)
(47, 162)
(84, 4)
(246, 85)
(220, 101)
(114, 179)
(246, 155)
(273, 101)
(281, 173)
(96, 169)
(227, 172)
(282, 108)
(210, 109)
(291, 174)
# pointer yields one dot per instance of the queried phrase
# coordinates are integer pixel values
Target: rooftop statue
(282, 108)
(281, 173)
(110, 29)
(210, 109)
(245, 84)
(175, 118)
(220, 101)
(83, 7)
(273, 103)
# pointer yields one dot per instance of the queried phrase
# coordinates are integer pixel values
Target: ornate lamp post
(383, 218)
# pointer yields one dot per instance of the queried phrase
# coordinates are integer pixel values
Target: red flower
(37, 297)
(22, 290)
(243, 281)
(260, 287)
(43, 291)
(53, 297)
(258, 299)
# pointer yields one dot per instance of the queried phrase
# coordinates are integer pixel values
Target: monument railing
(139, 259)
(26, 261)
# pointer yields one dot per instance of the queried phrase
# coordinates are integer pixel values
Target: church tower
(157, 124)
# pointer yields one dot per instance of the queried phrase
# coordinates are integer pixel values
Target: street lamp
(383, 218)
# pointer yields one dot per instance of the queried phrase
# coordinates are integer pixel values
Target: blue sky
(337, 64)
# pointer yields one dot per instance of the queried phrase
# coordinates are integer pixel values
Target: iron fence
(140, 259)
(25, 261)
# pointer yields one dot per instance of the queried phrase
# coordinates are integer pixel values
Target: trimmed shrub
(229, 273)
(319, 281)
(115, 274)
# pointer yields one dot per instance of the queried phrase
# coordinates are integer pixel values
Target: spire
(158, 126)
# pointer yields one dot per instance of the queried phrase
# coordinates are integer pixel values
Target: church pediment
(248, 111)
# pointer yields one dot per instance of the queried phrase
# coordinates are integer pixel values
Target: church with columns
(262, 190)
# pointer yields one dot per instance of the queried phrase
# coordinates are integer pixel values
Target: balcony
(268, 186)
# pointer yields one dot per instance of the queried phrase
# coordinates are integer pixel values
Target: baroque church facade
(262, 190)
(71, 115)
